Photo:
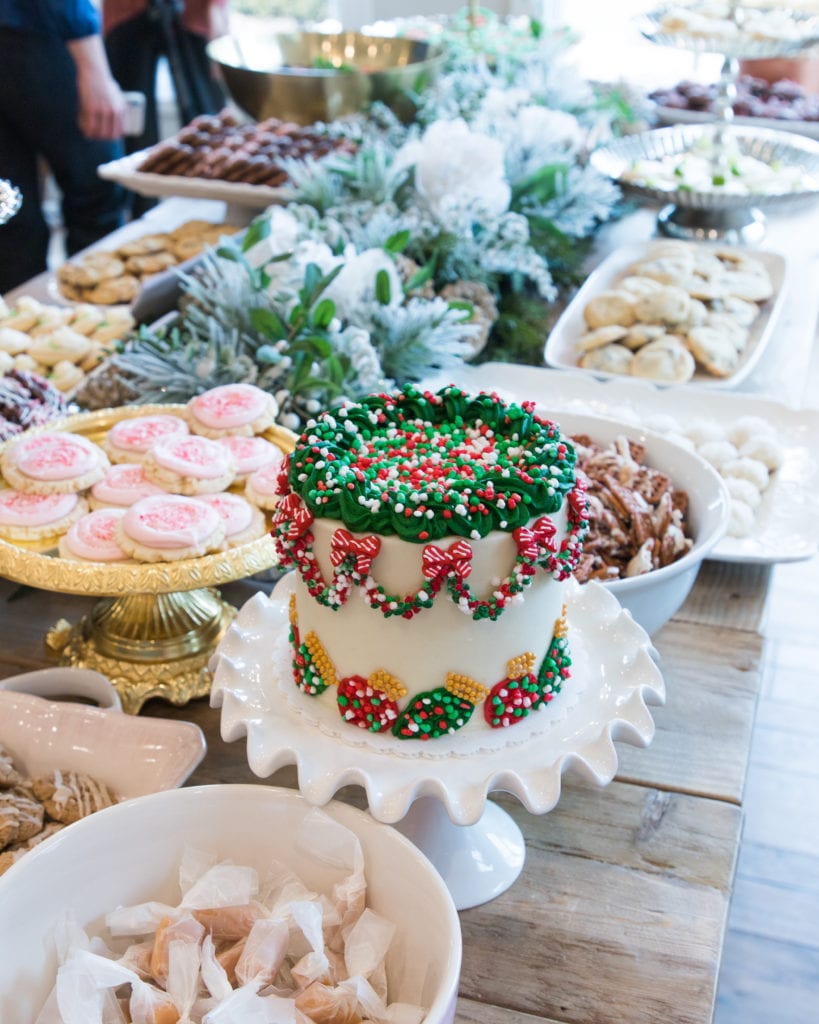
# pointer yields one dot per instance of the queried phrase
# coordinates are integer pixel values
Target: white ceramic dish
(130, 853)
(673, 115)
(654, 597)
(54, 683)
(238, 193)
(133, 756)
(561, 349)
(786, 528)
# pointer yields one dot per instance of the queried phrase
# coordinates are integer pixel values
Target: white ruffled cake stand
(439, 799)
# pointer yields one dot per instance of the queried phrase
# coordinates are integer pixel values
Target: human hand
(101, 102)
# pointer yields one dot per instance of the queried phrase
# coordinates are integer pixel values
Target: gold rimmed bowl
(317, 76)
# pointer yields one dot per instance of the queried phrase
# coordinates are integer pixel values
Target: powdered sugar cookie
(717, 453)
(608, 359)
(240, 409)
(251, 453)
(121, 486)
(744, 490)
(262, 487)
(93, 538)
(747, 469)
(53, 462)
(129, 440)
(764, 449)
(741, 521)
(746, 427)
(170, 527)
(666, 359)
(35, 516)
(190, 465)
(610, 307)
(243, 521)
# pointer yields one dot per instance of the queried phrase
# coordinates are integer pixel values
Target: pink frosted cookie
(262, 486)
(93, 538)
(243, 522)
(164, 528)
(252, 453)
(34, 516)
(129, 440)
(190, 465)
(121, 486)
(53, 462)
(232, 409)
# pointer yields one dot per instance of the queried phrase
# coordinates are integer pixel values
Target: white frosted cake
(431, 535)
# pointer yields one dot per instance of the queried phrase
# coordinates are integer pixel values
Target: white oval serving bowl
(130, 853)
(655, 596)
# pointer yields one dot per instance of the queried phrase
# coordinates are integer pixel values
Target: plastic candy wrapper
(237, 948)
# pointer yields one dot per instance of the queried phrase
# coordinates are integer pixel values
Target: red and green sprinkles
(423, 465)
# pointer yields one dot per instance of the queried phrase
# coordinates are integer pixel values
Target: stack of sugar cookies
(682, 307)
(115, 276)
(159, 487)
(60, 343)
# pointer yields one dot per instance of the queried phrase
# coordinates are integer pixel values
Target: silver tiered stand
(438, 797)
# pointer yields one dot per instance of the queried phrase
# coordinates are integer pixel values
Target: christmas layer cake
(431, 535)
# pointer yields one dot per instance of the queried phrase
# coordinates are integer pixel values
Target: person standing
(60, 103)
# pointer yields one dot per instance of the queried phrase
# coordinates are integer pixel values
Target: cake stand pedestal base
(477, 862)
(147, 645)
(733, 227)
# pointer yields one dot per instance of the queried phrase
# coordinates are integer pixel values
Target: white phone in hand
(134, 121)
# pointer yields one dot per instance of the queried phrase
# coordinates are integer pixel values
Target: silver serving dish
(740, 46)
(711, 214)
(317, 76)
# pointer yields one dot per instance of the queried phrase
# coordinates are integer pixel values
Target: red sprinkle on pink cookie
(265, 481)
(18, 509)
(231, 406)
(236, 512)
(123, 485)
(94, 536)
(139, 434)
(252, 453)
(55, 456)
(171, 521)
(193, 457)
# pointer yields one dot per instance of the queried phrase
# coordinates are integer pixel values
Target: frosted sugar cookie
(240, 409)
(262, 487)
(243, 521)
(129, 440)
(34, 516)
(93, 537)
(54, 462)
(165, 528)
(121, 486)
(252, 453)
(190, 465)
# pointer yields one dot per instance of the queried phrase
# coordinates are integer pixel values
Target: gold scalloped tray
(39, 565)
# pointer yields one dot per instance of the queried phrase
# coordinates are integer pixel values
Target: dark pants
(38, 119)
(134, 48)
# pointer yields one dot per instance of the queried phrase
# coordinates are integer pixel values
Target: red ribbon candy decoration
(457, 559)
(294, 516)
(364, 548)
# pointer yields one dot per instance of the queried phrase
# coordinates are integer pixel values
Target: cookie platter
(565, 349)
(156, 625)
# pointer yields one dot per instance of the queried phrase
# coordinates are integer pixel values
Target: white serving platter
(238, 193)
(785, 529)
(562, 352)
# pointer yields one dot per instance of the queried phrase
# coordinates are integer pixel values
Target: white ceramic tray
(237, 193)
(785, 529)
(673, 115)
(561, 349)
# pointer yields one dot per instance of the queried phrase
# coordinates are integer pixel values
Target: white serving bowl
(654, 597)
(130, 853)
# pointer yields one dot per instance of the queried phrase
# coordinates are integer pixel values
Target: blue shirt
(67, 19)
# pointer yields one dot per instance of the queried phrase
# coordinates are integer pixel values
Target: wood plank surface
(728, 594)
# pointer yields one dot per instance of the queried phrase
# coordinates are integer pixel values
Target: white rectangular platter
(561, 349)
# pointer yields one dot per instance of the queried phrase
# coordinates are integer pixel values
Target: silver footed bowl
(619, 158)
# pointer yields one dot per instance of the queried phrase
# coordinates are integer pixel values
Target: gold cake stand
(155, 626)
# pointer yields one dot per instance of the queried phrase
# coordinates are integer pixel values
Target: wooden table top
(620, 912)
